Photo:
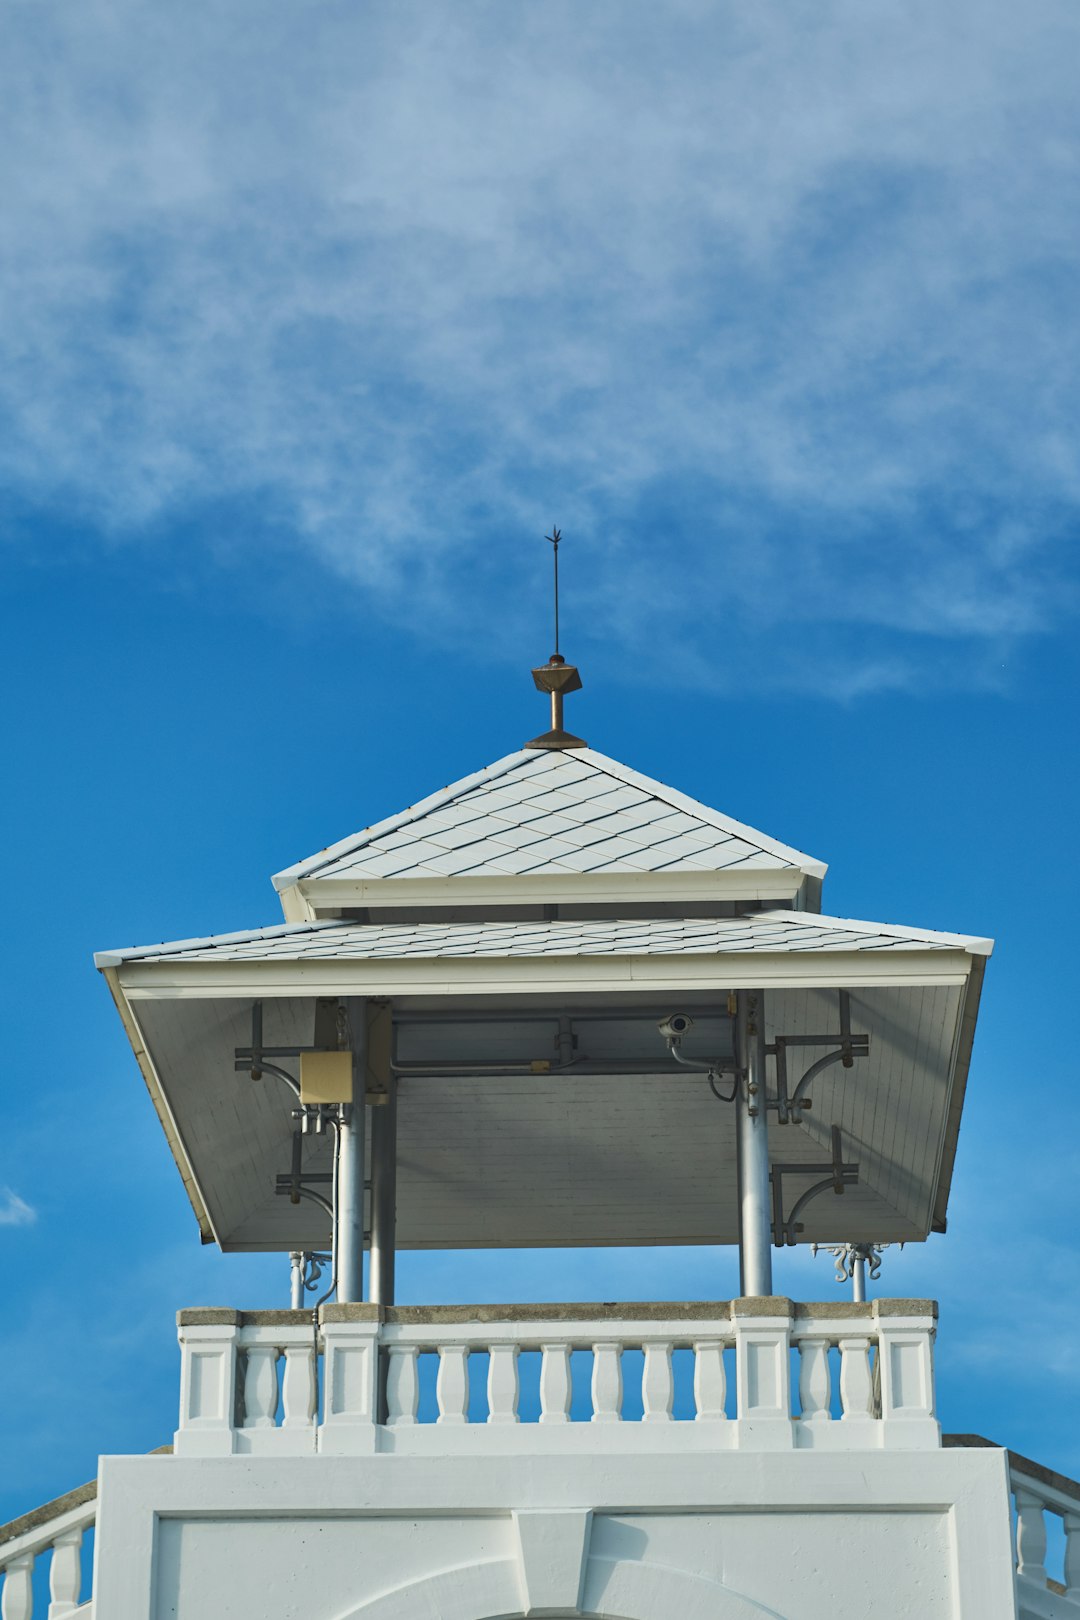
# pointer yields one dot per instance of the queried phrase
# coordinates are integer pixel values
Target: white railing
(749, 1373)
(57, 1530)
(1046, 1514)
(1038, 1493)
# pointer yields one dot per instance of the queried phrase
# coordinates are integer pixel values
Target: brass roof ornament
(556, 677)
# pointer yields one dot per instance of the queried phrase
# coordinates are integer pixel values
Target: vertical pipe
(858, 1279)
(296, 1281)
(755, 1227)
(350, 1199)
(383, 1196)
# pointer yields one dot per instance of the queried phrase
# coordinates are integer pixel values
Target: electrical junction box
(326, 1077)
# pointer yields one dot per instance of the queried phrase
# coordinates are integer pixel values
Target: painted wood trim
(543, 975)
(313, 894)
(161, 1105)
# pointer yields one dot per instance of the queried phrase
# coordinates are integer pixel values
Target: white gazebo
(556, 1003)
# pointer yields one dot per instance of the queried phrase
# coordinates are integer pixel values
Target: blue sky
(316, 319)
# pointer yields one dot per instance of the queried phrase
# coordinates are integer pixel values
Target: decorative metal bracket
(836, 1175)
(847, 1256)
(789, 1107)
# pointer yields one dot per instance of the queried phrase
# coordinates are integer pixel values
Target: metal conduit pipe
(755, 1231)
(383, 1198)
(349, 1214)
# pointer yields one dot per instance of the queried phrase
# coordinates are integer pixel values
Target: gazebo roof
(523, 826)
(558, 901)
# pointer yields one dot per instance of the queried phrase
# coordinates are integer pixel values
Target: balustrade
(54, 1533)
(411, 1379)
(1037, 1492)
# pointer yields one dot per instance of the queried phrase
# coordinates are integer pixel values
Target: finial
(556, 676)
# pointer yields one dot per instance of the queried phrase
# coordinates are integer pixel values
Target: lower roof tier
(537, 1102)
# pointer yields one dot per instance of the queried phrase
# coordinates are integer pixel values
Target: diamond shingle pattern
(551, 812)
(758, 931)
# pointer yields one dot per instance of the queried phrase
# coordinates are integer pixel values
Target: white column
(17, 1602)
(351, 1343)
(350, 1206)
(383, 1197)
(763, 1373)
(65, 1574)
(710, 1380)
(555, 1385)
(208, 1341)
(755, 1215)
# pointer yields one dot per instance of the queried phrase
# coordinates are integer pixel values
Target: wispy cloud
(774, 309)
(15, 1211)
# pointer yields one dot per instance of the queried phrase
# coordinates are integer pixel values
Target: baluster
(503, 1383)
(1072, 1555)
(1030, 1537)
(65, 1574)
(710, 1379)
(657, 1384)
(607, 1383)
(299, 1386)
(555, 1383)
(452, 1383)
(815, 1380)
(260, 1386)
(17, 1602)
(402, 1384)
(856, 1387)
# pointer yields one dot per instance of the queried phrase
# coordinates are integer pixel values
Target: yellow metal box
(326, 1077)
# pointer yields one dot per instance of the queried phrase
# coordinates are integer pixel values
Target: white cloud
(15, 1211)
(776, 300)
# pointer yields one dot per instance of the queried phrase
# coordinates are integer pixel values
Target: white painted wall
(663, 1536)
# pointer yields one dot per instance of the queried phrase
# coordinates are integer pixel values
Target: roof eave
(312, 897)
(577, 974)
(139, 1047)
(961, 1068)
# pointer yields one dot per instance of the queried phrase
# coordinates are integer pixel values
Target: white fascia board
(159, 1098)
(973, 944)
(705, 812)
(544, 975)
(490, 773)
(311, 895)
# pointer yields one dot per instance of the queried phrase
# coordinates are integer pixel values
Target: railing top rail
(37, 1528)
(43, 1517)
(1061, 1493)
(709, 1310)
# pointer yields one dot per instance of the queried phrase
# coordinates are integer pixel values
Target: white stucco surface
(796, 1536)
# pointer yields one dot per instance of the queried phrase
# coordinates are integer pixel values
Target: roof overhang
(636, 1157)
(310, 898)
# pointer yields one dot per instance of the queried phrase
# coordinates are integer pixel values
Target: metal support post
(755, 1233)
(350, 1190)
(858, 1279)
(296, 1280)
(383, 1196)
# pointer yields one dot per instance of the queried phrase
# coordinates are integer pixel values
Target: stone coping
(608, 1311)
(1022, 1465)
(60, 1504)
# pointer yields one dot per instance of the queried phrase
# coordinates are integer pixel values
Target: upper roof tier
(550, 828)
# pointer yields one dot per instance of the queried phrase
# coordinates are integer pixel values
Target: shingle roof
(551, 812)
(793, 931)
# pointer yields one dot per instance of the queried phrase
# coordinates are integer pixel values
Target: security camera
(675, 1027)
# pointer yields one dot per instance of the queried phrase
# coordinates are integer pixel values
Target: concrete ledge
(709, 1310)
(1023, 1465)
